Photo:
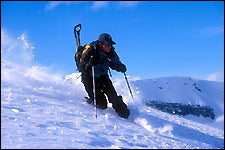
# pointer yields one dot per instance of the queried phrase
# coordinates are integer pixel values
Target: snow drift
(43, 109)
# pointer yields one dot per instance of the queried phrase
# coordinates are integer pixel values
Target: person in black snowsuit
(101, 54)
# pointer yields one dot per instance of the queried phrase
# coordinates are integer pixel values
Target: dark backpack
(79, 52)
(78, 55)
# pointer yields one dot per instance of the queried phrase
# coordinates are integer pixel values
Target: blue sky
(154, 39)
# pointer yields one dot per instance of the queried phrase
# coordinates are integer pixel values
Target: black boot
(101, 104)
(101, 100)
(89, 100)
(121, 108)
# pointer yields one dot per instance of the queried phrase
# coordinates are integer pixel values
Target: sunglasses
(106, 44)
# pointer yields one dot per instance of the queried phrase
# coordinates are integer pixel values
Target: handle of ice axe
(77, 29)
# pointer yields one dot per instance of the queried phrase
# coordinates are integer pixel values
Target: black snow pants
(104, 90)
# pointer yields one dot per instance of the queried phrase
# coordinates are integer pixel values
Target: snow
(43, 109)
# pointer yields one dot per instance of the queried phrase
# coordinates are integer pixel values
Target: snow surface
(43, 109)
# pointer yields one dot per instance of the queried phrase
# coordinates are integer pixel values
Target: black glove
(122, 68)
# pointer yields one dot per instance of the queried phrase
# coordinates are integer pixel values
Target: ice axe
(77, 29)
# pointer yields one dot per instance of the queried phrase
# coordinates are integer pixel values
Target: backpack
(79, 53)
(77, 56)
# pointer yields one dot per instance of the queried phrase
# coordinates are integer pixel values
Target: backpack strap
(93, 44)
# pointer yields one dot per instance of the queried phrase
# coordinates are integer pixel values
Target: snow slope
(40, 109)
(43, 109)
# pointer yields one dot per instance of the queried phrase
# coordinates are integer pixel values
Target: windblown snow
(43, 109)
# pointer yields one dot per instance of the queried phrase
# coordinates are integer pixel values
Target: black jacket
(101, 60)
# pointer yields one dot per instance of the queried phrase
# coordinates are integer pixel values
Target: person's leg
(100, 97)
(88, 85)
(117, 102)
(121, 108)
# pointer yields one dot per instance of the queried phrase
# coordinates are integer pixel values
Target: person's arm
(115, 63)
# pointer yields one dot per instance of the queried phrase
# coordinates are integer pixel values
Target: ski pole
(128, 85)
(93, 76)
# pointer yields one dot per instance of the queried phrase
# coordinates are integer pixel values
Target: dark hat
(106, 38)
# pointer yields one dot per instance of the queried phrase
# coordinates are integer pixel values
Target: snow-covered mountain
(40, 109)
